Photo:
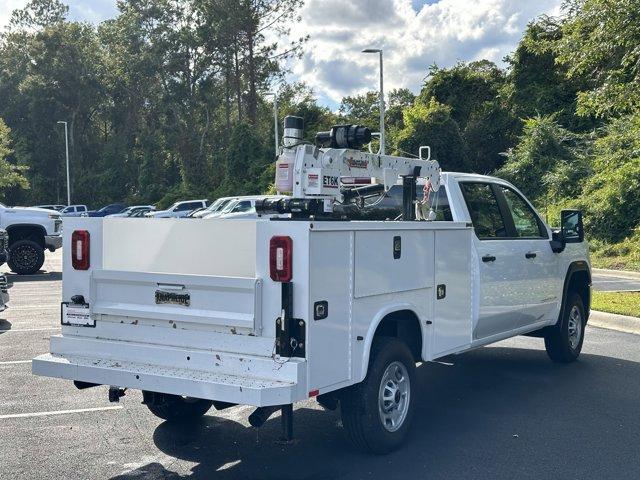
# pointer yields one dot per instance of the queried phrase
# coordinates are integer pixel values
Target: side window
(183, 207)
(484, 210)
(525, 220)
(82, 208)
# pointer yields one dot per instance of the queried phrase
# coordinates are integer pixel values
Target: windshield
(229, 206)
(218, 204)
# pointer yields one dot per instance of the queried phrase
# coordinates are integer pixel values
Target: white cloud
(443, 32)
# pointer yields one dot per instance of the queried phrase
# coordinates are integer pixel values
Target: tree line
(170, 99)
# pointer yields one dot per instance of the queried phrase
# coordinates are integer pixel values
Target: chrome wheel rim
(394, 396)
(575, 327)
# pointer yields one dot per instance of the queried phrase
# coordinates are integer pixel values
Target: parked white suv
(31, 231)
(179, 209)
(74, 210)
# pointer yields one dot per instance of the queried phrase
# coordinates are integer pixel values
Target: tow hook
(115, 393)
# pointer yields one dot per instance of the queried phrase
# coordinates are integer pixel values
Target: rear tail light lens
(280, 253)
(80, 250)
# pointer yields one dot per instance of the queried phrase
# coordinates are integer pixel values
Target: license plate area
(76, 315)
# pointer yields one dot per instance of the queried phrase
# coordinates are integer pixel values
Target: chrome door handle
(488, 258)
(530, 255)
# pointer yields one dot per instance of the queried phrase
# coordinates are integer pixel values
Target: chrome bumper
(53, 242)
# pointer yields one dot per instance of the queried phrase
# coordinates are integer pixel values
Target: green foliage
(431, 124)
(548, 162)
(10, 175)
(610, 197)
(599, 44)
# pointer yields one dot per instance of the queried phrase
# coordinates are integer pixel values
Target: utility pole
(382, 136)
(275, 118)
(66, 143)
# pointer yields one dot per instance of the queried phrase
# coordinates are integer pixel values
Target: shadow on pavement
(494, 413)
(41, 276)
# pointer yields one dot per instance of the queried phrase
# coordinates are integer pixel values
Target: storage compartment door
(452, 318)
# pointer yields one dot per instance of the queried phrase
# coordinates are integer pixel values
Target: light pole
(382, 137)
(275, 118)
(66, 144)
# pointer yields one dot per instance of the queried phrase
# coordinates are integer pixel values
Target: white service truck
(31, 231)
(272, 312)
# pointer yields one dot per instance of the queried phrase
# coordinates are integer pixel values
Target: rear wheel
(376, 414)
(26, 257)
(174, 407)
(564, 341)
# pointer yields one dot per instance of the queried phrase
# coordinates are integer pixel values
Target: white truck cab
(31, 231)
(269, 312)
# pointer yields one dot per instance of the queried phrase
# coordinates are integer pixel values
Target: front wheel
(26, 257)
(563, 342)
(376, 414)
(174, 407)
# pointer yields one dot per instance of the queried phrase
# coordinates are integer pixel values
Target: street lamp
(382, 137)
(275, 117)
(66, 144)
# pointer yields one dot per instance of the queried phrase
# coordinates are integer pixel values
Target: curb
(617, 273)
(613, 321)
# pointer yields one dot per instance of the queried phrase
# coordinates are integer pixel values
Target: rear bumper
(53, 242)
(233, 378)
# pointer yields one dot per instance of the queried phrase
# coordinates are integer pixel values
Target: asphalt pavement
(500, 412)
(614, 281)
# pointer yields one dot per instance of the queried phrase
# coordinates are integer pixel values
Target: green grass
(624, 255)
(623, 303)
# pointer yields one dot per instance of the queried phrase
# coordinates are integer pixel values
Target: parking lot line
(59, 412)
(15, 362)
(9, 330)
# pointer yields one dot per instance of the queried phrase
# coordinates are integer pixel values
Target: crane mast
(336, 171)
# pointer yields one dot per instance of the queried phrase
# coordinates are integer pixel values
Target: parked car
(243, 207)
(57, 208)
(31, 231)
(179, 209)
(106, 210)
(130, 211)
(216, 206)
(74, 210)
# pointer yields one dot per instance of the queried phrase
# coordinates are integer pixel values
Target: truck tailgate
(211, 301)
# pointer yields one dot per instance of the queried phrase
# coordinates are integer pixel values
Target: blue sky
(413, 33)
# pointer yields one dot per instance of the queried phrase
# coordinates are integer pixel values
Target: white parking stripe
(9, 330)
(34, 307)
(15, 362)
(59, 412)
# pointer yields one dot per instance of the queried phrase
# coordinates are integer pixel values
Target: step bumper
(243, 380)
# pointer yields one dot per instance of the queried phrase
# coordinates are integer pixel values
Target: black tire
(26, 257)
(362, 415)
(564, 340)
(174, 408)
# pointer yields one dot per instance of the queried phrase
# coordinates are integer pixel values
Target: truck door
(540, 262)
(502, 282)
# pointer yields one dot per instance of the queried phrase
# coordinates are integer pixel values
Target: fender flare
(576, 266)
(34, 226)
(373, 326)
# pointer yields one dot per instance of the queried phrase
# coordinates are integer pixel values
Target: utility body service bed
(263, 312)
(222, 346)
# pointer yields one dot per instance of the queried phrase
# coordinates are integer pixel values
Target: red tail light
(80, 250)
(280, 253)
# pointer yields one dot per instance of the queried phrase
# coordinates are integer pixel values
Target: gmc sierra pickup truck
(272, 312)
(31, 230)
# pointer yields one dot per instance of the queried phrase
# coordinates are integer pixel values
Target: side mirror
(571, 226)
(571, 230)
